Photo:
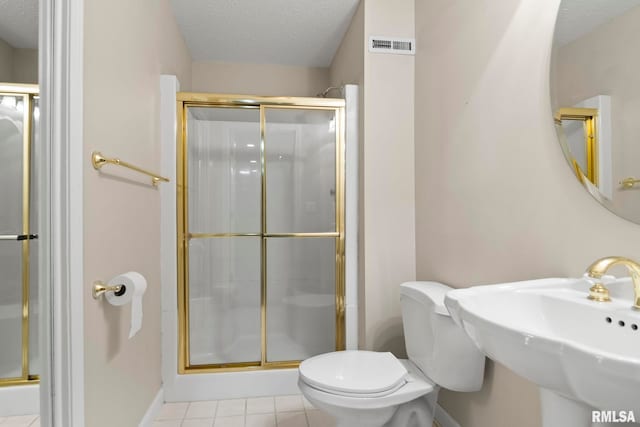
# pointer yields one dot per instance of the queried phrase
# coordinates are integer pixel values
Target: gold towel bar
(629, 182)
(100, 288)
(98, 160)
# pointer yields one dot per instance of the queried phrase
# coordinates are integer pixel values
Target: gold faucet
(599, 292)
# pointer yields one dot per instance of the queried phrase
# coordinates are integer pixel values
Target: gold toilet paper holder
(100, 288)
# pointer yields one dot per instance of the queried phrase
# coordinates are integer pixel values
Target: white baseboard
(153, 409)
(444, 419)
(19, 400)
(231, 385)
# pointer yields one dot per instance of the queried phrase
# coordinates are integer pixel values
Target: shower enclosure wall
(260, 231)
(19, 356)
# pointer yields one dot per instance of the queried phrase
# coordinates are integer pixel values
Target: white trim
(351, 215)
(19, 400)
(169, 86)
(233, 385)
(444, 419)
(153, 410)
(61, 73)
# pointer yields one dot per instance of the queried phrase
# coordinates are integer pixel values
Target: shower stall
(19, 356)
(260, 231)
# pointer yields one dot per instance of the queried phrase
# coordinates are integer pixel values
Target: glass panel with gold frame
(18, 108)
(577, 130)
(225, 275)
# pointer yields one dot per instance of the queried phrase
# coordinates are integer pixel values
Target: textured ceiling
(286, 32)
(19, 23)
(579, 17)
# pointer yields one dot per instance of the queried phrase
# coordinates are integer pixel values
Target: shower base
(19, 400)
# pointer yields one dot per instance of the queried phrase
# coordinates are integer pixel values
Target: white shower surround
(238, 384)
(20, 399)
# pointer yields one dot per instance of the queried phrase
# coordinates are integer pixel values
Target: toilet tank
(435, 344)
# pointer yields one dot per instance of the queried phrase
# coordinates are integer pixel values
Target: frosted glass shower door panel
(223, 152)
(11, 164)
(11, 225)
(10, 309)
(224, 300)
(300, 155)
(301, 297)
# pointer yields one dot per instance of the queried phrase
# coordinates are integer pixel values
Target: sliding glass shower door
(260, 231)
(18, 267)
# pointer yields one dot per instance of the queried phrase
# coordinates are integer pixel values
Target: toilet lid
(354, 372)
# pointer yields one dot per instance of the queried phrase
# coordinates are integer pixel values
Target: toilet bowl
(373, 389)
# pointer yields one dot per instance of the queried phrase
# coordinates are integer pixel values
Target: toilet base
(418, 412)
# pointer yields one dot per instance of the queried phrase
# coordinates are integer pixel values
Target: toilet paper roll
(135, 285)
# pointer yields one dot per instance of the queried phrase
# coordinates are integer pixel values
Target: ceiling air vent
(392, 45)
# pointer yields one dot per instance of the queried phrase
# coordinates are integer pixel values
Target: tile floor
(20, 421)
(272, 411)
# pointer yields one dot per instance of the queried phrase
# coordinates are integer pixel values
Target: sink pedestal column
(560, 411)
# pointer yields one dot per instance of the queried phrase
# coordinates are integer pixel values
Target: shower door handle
(18, 237)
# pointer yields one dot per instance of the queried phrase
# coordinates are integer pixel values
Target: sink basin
(581, 352)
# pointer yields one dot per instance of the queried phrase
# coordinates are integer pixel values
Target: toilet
(372, 389)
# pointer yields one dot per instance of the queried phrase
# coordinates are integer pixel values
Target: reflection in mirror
(20, 356)
(578, 128)
(595, 95)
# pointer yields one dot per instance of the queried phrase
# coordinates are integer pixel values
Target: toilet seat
(415, 384)
(354, 373)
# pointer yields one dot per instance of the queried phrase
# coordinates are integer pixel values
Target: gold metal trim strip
(263, 230)
(10, 382)
(305, 235)
(26, 199)
(19, 88)
(236, 99)
(239, 367)
(215, 235)
(266, 235)
(572, 113)
(592, 149)
(181, 196)
(340, 223)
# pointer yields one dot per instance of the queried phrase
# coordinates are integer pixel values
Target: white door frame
(60, 224)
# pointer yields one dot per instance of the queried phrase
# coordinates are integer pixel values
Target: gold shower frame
(27, 92)
(588, 117)
(190, 99)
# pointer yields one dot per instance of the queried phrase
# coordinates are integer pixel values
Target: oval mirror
(595, 96)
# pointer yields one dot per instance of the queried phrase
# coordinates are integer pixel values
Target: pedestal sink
(584, 355)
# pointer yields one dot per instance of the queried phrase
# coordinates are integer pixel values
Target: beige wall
(495, 200)
(6, 62)
(258, 79)
(387, 221)
(388, 174)
(604, 63)
(25, 65)
(348, 62)
(122, 66)
(18, 65)
(386, 181)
